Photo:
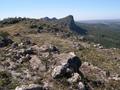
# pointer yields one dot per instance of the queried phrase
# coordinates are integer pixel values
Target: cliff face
(70, 23)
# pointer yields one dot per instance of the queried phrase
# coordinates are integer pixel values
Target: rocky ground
(27, 66)
(48, 61)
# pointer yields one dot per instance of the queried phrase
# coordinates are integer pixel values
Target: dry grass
(63, 44)
(11, 29)
(103, 59)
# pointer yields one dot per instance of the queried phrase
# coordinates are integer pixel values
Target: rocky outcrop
(48, 19)
(67, 69)
(64, 26)
(70, 24)
(68, 21)
(84, 75)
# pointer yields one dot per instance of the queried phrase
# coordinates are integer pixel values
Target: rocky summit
(52, 54)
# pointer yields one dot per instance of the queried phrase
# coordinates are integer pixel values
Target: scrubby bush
(5, 78)
(12, 20)
(33, 26)
(4, 39)
(4, 34)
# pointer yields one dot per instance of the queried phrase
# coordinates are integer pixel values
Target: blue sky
(80, 9)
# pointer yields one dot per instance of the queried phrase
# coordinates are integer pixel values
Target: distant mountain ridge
(101, 21)
(67, 23)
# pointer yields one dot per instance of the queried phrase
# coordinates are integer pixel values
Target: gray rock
(22, 51)
(57, 72)
(13, 65)
(81, 86)
(14, 45)
(15, 74)
(29, 51)
(49, 48)
(74, 63)
(16, 34)
(25, 58)
(75, 78)
(30, 87)
(21, 44)
(28, 57)
(27, 42)
(36, 64)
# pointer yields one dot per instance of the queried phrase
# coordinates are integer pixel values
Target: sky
(80, 9)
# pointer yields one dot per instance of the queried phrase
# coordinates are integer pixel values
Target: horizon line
(98, 19)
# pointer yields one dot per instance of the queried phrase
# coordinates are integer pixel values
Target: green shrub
(4, 34)
(5, 78)
(33, 26)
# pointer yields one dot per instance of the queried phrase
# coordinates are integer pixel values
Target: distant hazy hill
(106, 32)
(101, 21)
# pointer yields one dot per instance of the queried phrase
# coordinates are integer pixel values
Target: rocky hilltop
(47, 54)
(64, 25)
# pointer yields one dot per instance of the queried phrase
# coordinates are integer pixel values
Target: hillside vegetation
(107, 34)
